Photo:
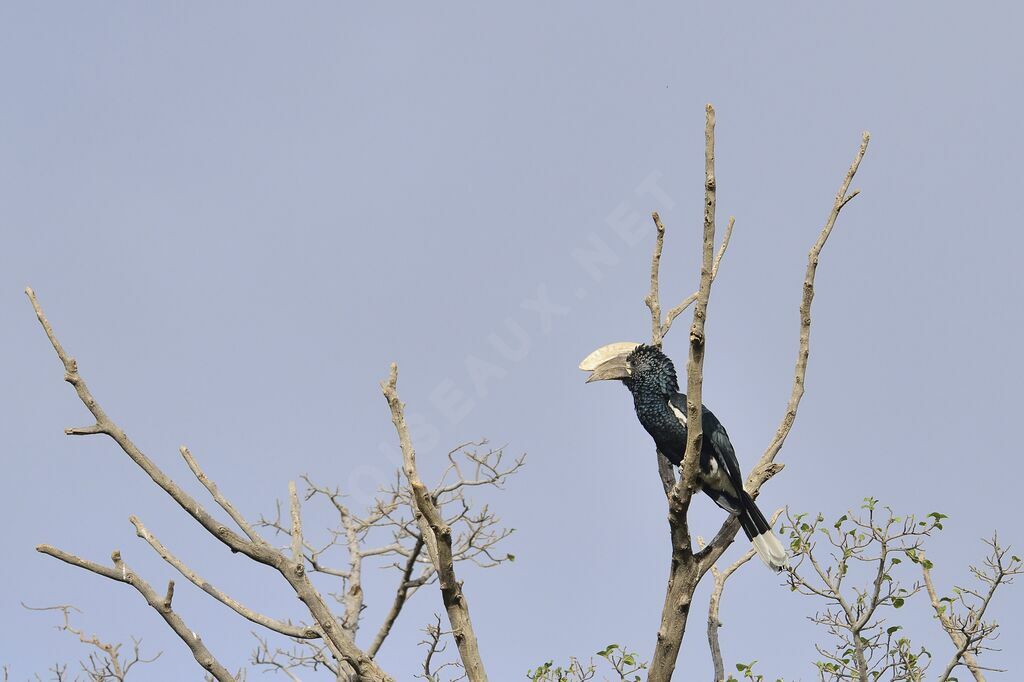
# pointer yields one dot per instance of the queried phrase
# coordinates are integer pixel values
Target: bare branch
(235, 515)
(340, 643)
(401, 594)
(660, 329)
(431, 669)
(714, 622)
(287, 629)
(122, 574)
(683, 571)
(758, 475)
(304, 654)
(653, 298)
(688, 301)
(666, 472)
(437, 535)
(105, 425)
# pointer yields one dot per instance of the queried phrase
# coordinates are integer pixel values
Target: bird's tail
(761, 536)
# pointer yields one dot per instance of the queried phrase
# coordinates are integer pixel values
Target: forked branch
(122, 574)
(437, 535)
(339, 642)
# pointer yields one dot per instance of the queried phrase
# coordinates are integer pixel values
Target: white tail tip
(771, 551)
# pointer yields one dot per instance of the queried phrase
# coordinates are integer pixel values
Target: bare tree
(429, 530)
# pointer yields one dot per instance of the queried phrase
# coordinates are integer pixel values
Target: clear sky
(237, 215)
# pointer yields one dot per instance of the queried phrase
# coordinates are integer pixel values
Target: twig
(660, 329)
(437, 535)
(653, 298)
(111, 665)
(122, 574)
(210, 486)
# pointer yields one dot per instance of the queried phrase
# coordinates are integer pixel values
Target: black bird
(661, 408)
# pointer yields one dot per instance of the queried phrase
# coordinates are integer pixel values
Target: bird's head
(639, 366)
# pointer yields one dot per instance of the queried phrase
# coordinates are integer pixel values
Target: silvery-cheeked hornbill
(661, 408)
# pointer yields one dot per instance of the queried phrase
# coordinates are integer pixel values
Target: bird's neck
(652, 403)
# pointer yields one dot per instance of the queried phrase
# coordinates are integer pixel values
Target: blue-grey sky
(237, 215)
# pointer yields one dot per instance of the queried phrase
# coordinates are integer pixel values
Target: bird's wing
(716, 436)
(722, 447)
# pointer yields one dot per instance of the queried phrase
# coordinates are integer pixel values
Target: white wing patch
(679, 414)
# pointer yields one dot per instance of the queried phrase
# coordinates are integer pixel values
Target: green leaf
(897, 602)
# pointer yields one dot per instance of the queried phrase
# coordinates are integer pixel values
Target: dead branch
(475, 534)
(714, 622)
(660, 328)
(210, 486)
(843, 197)
(683, 575)
(303, 654)
(435, 647)
(401, 594)
(122, 574)
(437, 536)
(287, 629)
(341, 645)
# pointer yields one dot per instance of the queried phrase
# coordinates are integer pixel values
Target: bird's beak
(609, 362)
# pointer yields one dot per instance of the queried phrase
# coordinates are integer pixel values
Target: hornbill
(651, 377)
